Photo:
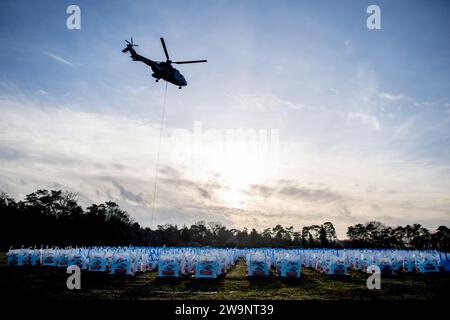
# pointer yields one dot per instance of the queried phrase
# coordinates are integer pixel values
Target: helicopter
(161, 70)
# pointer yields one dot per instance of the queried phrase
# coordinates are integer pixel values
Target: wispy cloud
(268, 101)
(309, 194)
(292, 190)
(129, 195)
(400, 97)
(112, 158)
(391, 97)
(59, 59)
(365, 119)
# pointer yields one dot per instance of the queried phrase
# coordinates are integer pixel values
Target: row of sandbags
(213, 262)
(332, 262)
(128, 260)
(286, 263)
(170, 262)
(392, 262)
(200, 263)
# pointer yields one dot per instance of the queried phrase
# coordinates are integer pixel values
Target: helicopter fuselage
(161, 70)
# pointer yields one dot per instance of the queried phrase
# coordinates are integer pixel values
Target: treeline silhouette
(53, 217)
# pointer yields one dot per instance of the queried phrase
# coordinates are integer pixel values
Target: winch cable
(161, 129)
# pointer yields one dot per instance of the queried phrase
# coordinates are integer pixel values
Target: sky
(301, 115)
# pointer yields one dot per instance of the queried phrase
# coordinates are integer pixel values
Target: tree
(254, 238)
(441, 239)
(330, 233)
(278, 231)
(323, 237)
(185, 235)
(200, 232)
(357, 233)
(289, 235)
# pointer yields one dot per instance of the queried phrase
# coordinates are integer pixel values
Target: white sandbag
(289, 266)
(97, 261)
(169, 266)
(49, 258)
(258, 265)
(206, 267)
(122, 264)
(77, 258)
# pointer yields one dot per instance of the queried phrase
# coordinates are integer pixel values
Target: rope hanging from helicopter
(161, 129)
(161, 70)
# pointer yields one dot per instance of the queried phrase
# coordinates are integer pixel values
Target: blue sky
(363, 116)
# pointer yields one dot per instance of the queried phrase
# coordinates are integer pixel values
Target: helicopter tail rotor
(130, 45)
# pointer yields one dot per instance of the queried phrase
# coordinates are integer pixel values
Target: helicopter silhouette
(161, 70)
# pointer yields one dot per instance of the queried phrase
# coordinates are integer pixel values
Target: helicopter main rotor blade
(193, 61)
(165, 49)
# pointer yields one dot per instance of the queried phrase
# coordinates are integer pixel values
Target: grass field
(47, 282)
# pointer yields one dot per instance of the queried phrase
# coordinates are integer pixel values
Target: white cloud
(113, 158)
(59, 59)
(268, 101)
(405, 128)
(390, 97)
(365, 119)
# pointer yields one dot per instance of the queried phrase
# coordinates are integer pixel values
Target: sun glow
(238, 158)
(237, 173)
